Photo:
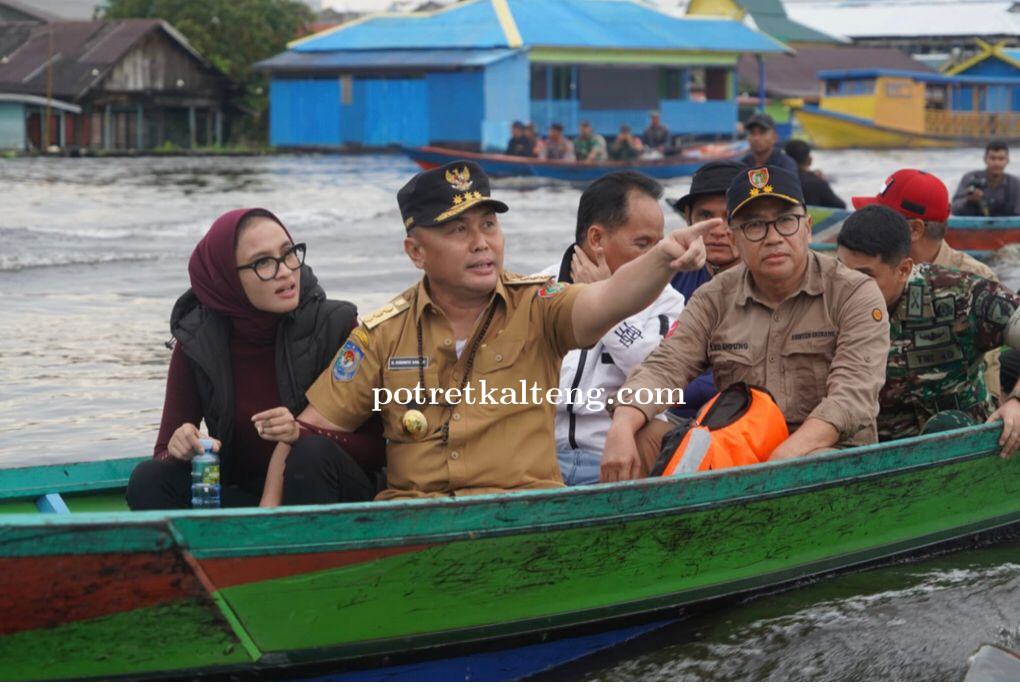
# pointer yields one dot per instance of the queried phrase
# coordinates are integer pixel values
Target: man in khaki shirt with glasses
(796, 322)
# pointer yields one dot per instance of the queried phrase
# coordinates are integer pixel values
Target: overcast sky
(82, 9)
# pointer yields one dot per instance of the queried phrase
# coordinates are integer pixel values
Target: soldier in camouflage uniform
(941, 323)
(923, 200)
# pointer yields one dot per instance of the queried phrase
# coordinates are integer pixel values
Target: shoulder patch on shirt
(551, 288)
(876, 314)
(390, 309)
(347, 361)
(527, 280)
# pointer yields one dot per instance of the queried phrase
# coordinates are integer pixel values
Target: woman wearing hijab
(252, 333)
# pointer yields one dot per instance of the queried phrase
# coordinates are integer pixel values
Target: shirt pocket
(499, 355)
(805, 370)
(730, 366)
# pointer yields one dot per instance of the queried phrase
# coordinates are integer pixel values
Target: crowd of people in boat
(589, 146)
(780, 351)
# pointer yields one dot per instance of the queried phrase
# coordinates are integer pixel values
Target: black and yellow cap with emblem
(763, 181)
(433, 197)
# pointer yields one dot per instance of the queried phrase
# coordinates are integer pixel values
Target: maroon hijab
(217, 283)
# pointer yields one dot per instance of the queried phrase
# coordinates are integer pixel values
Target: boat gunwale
(479, 515)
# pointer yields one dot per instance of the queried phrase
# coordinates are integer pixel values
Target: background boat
(896, 109)
(88, 590)
(500, 165)
(974, 234)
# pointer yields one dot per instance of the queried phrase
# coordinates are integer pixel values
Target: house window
(673, 84)
(555, 82)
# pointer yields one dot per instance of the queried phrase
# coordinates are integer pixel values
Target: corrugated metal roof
(83, 53)
(593, 24)
(796, 76)
(293, 61)
(924, 18)
(932, 77)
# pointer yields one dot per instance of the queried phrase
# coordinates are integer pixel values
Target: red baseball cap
(912, 193)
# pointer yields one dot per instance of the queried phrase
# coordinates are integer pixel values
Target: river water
(93, 253)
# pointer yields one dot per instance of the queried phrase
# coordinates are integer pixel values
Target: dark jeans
(167, 485)
(320, 472)
(1009, 370)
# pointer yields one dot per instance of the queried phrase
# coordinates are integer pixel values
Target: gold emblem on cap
(415, 424)
(459, 180)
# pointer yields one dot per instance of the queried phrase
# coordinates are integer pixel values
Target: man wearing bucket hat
(706, 199)
(791, 320)
(923, 200)
(465, 329)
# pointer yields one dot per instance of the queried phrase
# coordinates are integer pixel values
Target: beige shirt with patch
(494, 445)
(961, 261)
(821, 352)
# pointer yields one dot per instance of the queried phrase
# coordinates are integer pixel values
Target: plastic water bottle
(205, 478)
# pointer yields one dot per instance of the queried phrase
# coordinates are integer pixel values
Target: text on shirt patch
(407, 362)
(716, 347)
(812, 334)
(627, 334)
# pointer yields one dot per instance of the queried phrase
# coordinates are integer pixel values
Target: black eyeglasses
(266, 268)
(786, 225)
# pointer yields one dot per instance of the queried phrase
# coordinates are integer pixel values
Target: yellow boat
(893, 109)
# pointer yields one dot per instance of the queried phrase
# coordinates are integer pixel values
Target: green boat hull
(183, 593)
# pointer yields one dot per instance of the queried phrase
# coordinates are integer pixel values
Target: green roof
(770, 17)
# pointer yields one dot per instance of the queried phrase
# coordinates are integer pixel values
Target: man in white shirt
(618, 219)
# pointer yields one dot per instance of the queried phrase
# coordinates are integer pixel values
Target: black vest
(306, 341)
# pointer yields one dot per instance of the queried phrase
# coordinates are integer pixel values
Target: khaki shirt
(821, 352)
(493, 446)
(961, 261)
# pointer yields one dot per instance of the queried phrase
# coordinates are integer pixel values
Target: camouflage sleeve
(857, 371)
(992, 307)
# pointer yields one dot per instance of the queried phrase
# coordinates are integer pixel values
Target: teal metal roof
(770, 17)
(590, 24)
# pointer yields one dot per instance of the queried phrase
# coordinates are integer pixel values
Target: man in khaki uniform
(488, 341)
(796, 322)
(923, 200)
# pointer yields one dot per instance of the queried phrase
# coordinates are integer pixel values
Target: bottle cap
(207, 444)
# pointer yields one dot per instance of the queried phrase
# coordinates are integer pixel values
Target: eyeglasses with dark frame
(786, 225)
(266, 268)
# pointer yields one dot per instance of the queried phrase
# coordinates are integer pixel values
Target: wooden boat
(500, 165)
(975, 234)
(893, 109)
(89, 590)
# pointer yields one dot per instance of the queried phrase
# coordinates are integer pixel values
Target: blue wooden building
(991, 61)
(461, 75)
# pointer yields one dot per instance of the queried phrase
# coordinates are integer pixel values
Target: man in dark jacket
(992, 191)
(817, 191)
(762, 138)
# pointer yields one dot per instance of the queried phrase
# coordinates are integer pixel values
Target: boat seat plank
(51, 503)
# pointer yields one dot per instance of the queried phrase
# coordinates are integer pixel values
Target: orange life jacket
(741, 425)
